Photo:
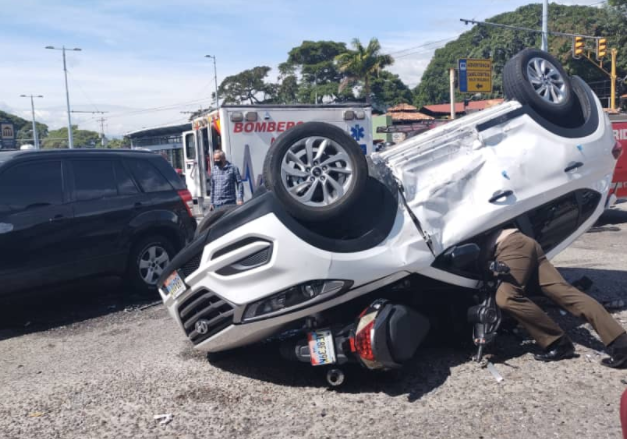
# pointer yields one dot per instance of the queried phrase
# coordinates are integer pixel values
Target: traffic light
(601, 48)
(578, 46)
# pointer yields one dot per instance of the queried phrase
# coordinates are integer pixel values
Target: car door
(34, 219)
(105, 200)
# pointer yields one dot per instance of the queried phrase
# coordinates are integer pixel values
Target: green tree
(58, 139)
(312, 64)
(363, 62)
(118, 143)
(287, 91)
(388, 89)
(248, 86)
(502, 44)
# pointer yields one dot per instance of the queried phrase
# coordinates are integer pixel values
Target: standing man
(227, 188)
(527, 261)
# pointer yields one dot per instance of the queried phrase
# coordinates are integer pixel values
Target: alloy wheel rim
(152, 262)
(317, 171)
(546, 80)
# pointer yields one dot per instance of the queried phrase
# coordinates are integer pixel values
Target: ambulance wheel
(535, 78)
(316, 170)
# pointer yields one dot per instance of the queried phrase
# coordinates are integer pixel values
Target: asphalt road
(90, 362)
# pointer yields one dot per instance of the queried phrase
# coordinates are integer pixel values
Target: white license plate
(174, 285)
(321, 347)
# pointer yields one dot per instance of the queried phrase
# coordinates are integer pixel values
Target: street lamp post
(32, 108)
(67, 93)
(215, 76)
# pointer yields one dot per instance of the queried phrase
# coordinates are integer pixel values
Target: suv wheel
(537, 79)
(147, 260)
(316, 170)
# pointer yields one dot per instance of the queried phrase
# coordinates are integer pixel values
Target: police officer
(525, 257)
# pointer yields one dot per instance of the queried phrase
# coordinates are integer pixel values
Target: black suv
(67, 214)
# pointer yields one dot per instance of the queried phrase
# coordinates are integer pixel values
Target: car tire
(537, 79)
(148, 258)
(211, 219)
(316, 170)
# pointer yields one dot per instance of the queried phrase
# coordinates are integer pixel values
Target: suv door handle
(500, 194)
(57, 218)
(137, 205)
(573, 166)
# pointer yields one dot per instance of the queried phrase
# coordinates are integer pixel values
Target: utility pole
(215, 77)
(67, 94)
(32, 108)
(545, 26)
(101, 120)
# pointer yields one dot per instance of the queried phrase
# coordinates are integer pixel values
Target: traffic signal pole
(613, 77)
(611, 74)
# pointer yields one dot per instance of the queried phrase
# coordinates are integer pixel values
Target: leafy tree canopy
(247, 87)
(501, 44)
(313, 65)
(58, 139)
(361, 63)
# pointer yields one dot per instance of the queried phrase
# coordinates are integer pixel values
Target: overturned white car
(334, 233)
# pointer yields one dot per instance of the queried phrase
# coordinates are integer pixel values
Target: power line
(423, 45)
(161, 108)
(425, 50)
(525, 29)
(82, 90)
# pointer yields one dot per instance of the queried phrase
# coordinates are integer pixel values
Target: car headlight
(295, 298)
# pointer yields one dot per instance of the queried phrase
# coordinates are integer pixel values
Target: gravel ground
(89, 363)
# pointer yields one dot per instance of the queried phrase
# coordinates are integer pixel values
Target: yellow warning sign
(475, 75)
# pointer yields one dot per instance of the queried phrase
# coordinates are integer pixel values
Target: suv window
(148, 177)
(32, 185)
(93, 179)
(125, 183)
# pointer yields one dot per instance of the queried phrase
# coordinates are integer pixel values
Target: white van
(245, 132)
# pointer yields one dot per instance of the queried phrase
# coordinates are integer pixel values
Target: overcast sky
(140, 56)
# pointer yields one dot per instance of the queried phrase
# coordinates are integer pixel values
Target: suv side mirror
(464, 255)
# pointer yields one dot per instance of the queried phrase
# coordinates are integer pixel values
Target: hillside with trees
(501, 44)
(56, 138)
(24, 128)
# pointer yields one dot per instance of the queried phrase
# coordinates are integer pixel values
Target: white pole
(35, 136)
(545, 26)
(215, 76)
(452, 74)
(67, 96)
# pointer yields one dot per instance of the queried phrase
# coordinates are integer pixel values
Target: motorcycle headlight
(296, 297)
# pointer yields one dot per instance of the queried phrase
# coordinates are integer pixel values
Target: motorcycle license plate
(174, 285)
(321, 347)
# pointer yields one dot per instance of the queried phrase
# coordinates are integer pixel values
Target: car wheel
(316, 170)
(147, 260)
(211, 219)
(535, 78)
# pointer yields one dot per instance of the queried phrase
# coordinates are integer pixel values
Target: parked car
(404, 226)
(68, 214)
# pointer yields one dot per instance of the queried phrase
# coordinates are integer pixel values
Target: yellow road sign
(475, 75)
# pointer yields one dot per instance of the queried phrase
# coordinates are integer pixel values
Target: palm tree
(362, 62)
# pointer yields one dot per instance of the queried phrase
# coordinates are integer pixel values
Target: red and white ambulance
(245, 132)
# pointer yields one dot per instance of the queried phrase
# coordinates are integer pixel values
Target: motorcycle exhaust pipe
(335, 377)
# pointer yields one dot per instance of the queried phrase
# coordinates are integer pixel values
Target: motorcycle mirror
(463, 255)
